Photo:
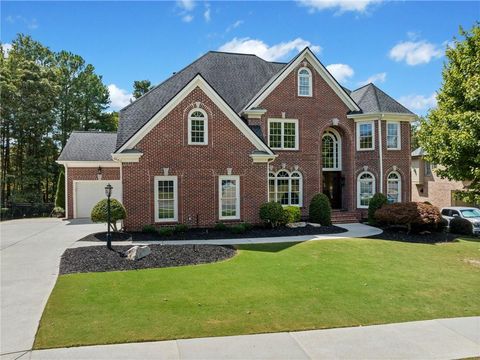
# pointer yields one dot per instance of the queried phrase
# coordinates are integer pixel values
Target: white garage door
(88, 193)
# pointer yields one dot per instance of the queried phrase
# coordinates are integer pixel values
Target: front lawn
(267, 288)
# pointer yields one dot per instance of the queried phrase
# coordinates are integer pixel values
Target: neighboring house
(428, 186)
(232, 131)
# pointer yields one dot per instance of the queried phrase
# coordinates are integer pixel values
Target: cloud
(340, 5)
(29, 23)
(6, 47)
(119, 98)
(186, 5)
(375, 78)
(234, 25)
(206, 14)
(415, 52)
(187, 18)
(269, 53)
(341, 72)
(418, 102)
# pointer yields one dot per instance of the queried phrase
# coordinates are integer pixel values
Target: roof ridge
(376, 96)
(361, 87)
(94, 132)
(383, 92)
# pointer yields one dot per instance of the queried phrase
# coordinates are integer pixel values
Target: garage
(87, 193)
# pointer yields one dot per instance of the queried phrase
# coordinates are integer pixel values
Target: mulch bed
(100, 259)
(211, 234)
(401, 234)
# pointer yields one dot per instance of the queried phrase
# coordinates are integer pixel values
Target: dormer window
(304, 82)
(197, 127)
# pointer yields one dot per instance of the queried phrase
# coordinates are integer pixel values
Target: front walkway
(432, 339)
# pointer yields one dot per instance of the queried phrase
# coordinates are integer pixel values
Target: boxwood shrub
(117, 212)
(320, 210)
(461, 226)
(292, 214)
(376, 202)
(272, 214)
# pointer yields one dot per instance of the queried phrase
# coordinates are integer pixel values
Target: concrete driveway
(30, 251)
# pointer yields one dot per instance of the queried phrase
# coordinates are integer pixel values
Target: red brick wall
(196, 166)
(86, 173)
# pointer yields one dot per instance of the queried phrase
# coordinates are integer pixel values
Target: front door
(332, 188)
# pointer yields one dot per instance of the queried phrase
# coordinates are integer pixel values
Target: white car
(468, 213)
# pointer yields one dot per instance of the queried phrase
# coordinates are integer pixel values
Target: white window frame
(282, 135)
(205, 127)
(309, 82)
(237, 196)
(175, 197)
(399, 137)
(289, 178)
(339, 149)
(359, 205)
(398, 181)
(358, 124)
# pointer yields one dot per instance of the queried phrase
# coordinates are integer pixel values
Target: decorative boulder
(314, 224)
(138, 252)
(296, 224)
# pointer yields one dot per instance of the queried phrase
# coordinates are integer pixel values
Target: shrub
(461, 226)
(238, 228)
(149, 229)
(376, 202)
(165, 231)
(427, 202)
(248, 226)
(4, 213)
(416, 216)
(272, 213)
(58, 211)
(320, 210)
(181, 228)
(220, 226)
(292, 214)
(60, 194)
(117, 212)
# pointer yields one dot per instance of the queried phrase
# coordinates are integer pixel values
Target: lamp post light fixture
(108, 193)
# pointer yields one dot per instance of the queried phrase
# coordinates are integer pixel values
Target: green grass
(267, 288)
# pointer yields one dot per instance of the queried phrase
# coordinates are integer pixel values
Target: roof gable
(89, 146)
(373, 100)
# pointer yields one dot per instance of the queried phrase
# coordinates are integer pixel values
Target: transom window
(229, 197)
(365, 135)
(394, 187)
(166, 198)
(283, 134)
(365, 189)
(393, 135)
(304, 82)
(285, 187)
(331, 151)
(197, 127)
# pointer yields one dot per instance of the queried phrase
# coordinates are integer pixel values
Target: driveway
(30, 251)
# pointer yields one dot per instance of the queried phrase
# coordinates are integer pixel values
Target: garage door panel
(88, 193)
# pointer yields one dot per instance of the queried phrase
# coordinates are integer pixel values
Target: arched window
(304, 82)
(331, 151)
(365, 189)
(197, 127)
(394, 187)
(285, 188)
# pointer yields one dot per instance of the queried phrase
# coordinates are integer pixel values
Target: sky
(398, 45)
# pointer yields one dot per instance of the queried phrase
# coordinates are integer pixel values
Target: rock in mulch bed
(401, 234)
(212, 234)
(100, 259)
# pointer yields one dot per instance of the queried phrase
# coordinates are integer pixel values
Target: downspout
(66, 190)
(380, 148)
(268, 177)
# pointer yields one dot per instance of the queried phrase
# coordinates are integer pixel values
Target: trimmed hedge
(320, 210)
(117, 212)
(292, 214)
(415, 215)
(461, 226)
(60, 193)
(376, 202)
(272, 213)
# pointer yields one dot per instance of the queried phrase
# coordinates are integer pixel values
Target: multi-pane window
(283, 134)
(285, 187)
(365, 189)
(165, 198)
(393, 135)
(365, 135)
(197, 127)
(331, 151)
(304, 82)
(393, 187)
(229, 197)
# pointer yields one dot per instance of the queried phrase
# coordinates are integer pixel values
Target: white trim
(237, 196)
(398, 181)
(283, 121)
(310, 80)
(205, 127)
(339, 149)
(89, 163)
(358, 188)
(262, 158)
(318, 66)
(275, 178)
(399, 135)
(74, 190)
(156, 179)
(199, 82)
(357, 137)
(254, 113)
(384, 116)
(127, 157)
(66, 190)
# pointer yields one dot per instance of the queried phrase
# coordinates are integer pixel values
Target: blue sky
(397, 45)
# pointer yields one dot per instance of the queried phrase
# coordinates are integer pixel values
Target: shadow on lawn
(269, 247)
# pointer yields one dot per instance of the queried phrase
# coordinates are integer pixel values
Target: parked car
(468, 213)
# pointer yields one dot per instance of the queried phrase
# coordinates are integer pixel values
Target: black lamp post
(108, 193)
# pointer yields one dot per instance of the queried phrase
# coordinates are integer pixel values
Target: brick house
(232, 131)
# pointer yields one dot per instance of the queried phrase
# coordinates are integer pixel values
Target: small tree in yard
(117, 212)
(60, 194)
(376, 202)
(320, 210)
(413, 215)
